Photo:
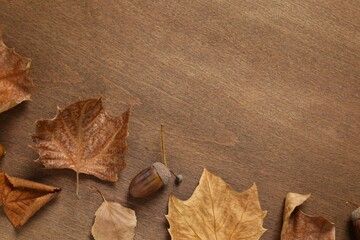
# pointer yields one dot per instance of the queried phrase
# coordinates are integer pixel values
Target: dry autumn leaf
(22, 198)
(15, 86)
(113, 221)
(216, 211)
(84, 138)
(297, 225)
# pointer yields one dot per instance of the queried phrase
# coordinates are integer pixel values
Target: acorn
(355, 218)
(149, 180)
(2, 151)
(153, 178)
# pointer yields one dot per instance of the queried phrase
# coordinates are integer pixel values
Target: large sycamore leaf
(15, 86)
(298, 225)
(114, 221)
(216, 211)
(84, 138)
(21, 198)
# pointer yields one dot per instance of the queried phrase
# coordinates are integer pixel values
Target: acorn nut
(2, 151)
(355, 218)
(152, 178)
(149, 180)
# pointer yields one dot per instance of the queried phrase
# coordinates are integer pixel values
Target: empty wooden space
(255, 91)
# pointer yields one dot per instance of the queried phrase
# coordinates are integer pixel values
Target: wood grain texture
(255, 91)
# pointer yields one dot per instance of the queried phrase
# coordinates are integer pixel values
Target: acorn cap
(163, 171)
(355, 215)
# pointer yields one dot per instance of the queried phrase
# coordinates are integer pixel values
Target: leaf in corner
(84, 138)
(298, 225)
(113, 221)
(15, 86)
(216, 211)
(22, 198)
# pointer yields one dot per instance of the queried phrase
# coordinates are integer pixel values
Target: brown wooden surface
(255, 91)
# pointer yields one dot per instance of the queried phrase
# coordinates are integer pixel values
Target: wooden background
(255, 91)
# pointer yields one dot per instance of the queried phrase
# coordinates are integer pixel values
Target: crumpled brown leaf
(298, 225)
(84, 138)
(216, 211)
(113, 221)
(15, 86)
(22, 198)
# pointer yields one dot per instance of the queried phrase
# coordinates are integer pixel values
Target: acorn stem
(98, 190)
(178, 178)
(77, 185)
(352, 203)
(163, 144)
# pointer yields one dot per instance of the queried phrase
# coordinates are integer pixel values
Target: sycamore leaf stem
(163, 144)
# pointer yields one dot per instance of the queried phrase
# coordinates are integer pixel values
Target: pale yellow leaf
(216, 211)
(298, 225)
(114, 221)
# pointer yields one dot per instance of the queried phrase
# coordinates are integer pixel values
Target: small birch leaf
(298, 225)
(216, 211)
(114, 221)
(15, 86)
(22, 198)
(84, 138)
